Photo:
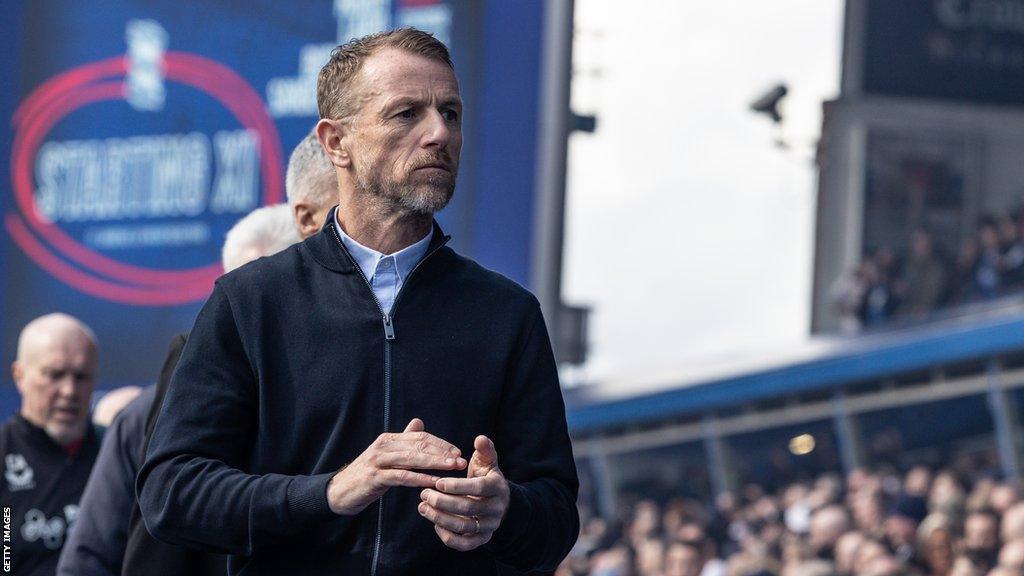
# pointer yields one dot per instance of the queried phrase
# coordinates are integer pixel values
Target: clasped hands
(465, 511)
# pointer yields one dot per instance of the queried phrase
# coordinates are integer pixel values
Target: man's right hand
(391, 461)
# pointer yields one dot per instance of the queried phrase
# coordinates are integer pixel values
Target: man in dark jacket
(318, 418)
(49, 447)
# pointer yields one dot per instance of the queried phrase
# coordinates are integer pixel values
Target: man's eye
(450, 115)
(53, 374)
(407, 114)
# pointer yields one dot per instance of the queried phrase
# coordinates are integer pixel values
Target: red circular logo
(83, 268)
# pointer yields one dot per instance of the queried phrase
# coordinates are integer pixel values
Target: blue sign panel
(139, 132)
(967, 50)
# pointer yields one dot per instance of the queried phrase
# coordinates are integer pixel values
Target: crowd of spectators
(952, 521)
(911, 284)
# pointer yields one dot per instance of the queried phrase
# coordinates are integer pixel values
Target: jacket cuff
(515, 524)
(307, 498)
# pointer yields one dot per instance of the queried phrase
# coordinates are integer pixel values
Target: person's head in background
(55, 371)
(935, 540)
(827, 526)
(311, 185)
(988, 233)
(263, 232)
(1011, 556)
(683, 559)
(650, 556)
(1003, 497)
(111, 403)
(1012, 526)
(846, 550)
(981, 538)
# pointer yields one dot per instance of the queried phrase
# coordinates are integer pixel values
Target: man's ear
(17, 372)
(332, 136)
(304, 220)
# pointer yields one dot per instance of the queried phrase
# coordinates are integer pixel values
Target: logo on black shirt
(19, 475)
(36, 526)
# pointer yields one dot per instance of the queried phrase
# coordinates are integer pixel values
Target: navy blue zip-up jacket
(288, 375)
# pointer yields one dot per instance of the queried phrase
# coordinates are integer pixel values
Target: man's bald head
(54, 372)
(38, 334)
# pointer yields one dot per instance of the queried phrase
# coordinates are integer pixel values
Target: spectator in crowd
(847, 296)
(827, 525)
(1011, 252)
(935, 544)
(962, 287)
(683, 559)
(1012, 526)
(981, 539)
(879, 301)
(886, 284)
(987, 275)
(846, 550)
(901, 526)
(49, 446)
(1011, 556)
(924, 278)
(311, 185)
(1002, 497)
(933, 527)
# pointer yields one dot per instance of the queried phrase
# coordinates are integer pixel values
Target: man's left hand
(467, 511)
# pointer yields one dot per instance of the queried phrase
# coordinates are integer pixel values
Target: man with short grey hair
(311, 185)
(370, 401)
(262, 232)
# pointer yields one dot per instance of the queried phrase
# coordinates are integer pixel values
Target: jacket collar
(327, 249)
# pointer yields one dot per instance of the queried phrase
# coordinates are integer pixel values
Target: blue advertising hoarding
(963, 50)
(138, 132)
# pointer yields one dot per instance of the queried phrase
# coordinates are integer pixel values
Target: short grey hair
(334, 98)
(263, 232)
(310, 176)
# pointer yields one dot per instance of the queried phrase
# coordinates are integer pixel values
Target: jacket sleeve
(192, 488)
(535, 455)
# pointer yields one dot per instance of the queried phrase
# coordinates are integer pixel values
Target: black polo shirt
(39, 495)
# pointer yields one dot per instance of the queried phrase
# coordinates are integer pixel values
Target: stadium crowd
(958, 520)
(888, 284)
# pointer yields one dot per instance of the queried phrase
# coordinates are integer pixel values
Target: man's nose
(66, 386)
(437, 132)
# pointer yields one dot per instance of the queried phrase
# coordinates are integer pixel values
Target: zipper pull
(389, 328)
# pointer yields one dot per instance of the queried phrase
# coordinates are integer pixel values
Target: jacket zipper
(389, 335)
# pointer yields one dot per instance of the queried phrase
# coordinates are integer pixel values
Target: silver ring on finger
(477, 531)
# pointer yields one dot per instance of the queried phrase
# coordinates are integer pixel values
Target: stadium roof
(823, 364)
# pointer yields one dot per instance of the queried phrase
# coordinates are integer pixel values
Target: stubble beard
(423, 198)
(64, 434)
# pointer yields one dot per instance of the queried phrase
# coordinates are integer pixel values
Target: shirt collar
(367, 258)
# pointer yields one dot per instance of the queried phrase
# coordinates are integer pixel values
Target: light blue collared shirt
(386, 273)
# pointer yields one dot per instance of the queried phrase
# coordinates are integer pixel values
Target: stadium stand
(734, 456)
